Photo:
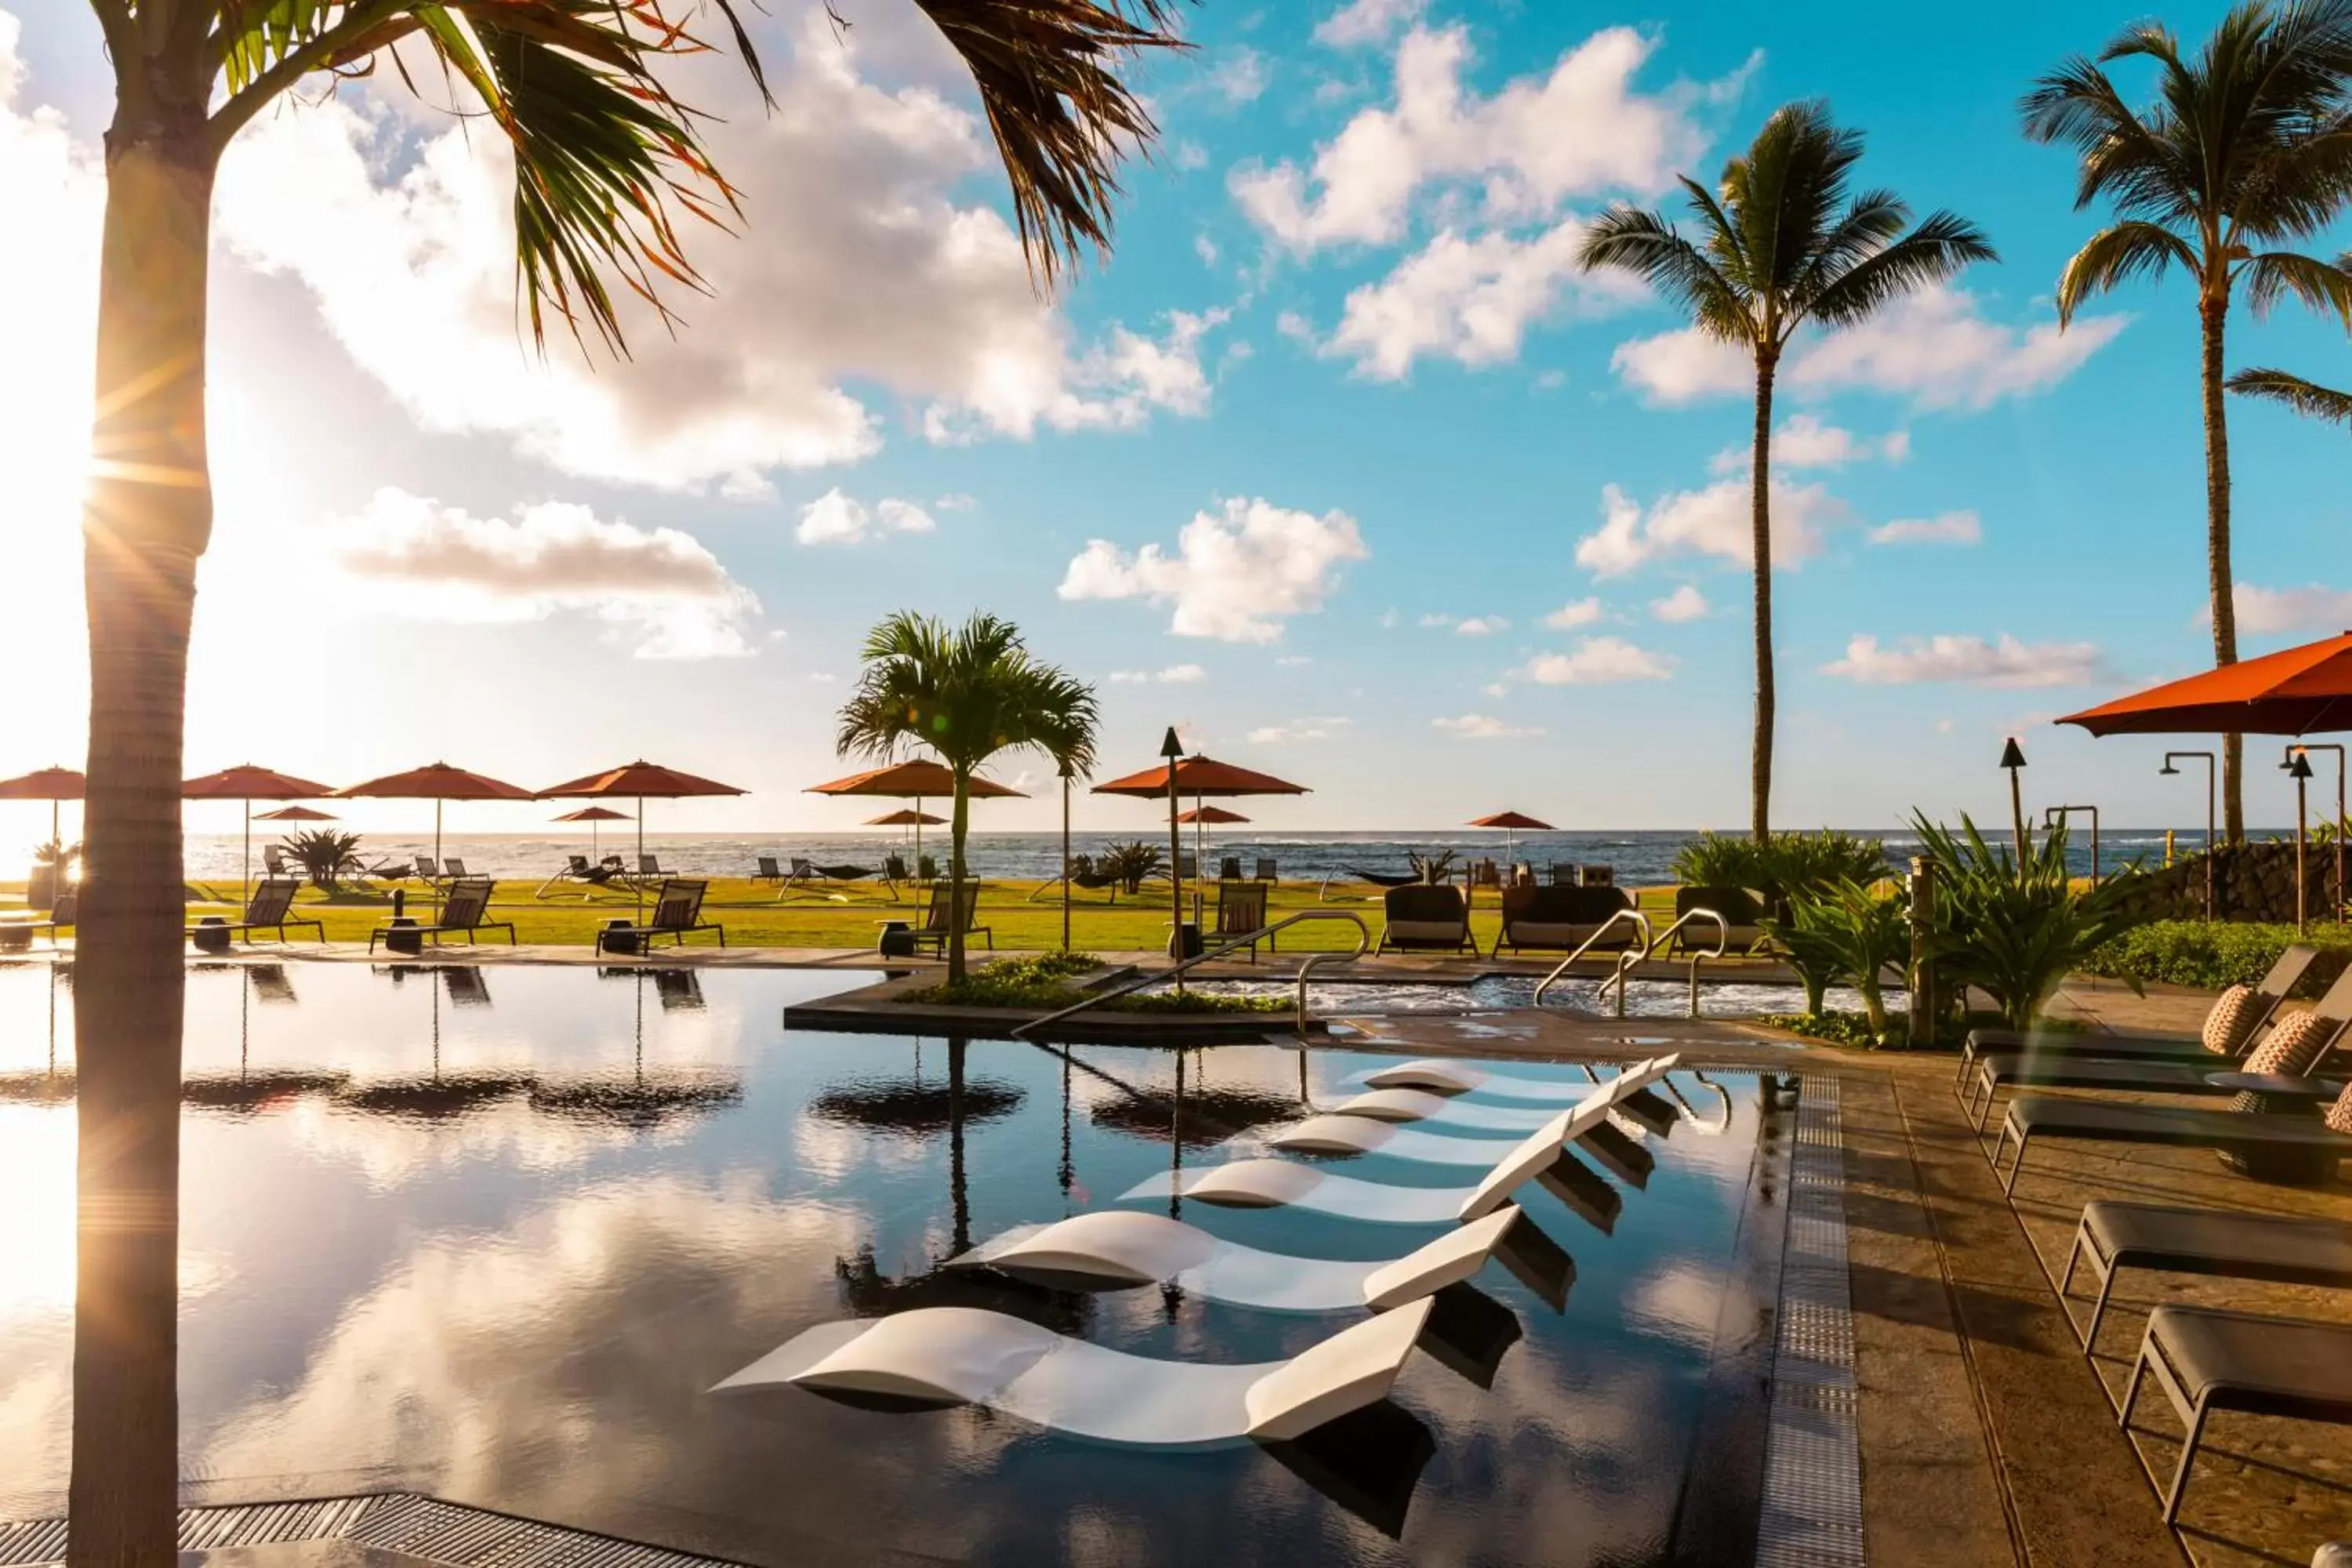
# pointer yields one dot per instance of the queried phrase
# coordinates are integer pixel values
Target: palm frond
(1938, 250)
(1047, 71)
(1645, 243)
(2117, 254)
(2324, 286)
(2305, 397)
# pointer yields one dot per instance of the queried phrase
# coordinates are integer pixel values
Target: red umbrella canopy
(248, 781)
(296, 814)
(435, 781)
(594, 814)
(1199, 776)
(2295, 691)
(919, 778)
(43, 783)
(1518, 821)
(906, 819)
(1214, 815)
(641, 780)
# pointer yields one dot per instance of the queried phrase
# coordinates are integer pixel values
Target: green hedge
(2212, 956)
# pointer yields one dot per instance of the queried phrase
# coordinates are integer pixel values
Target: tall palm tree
(2305, 398)
(1782, 245)
(966, 693)
(2246, 149)
(605, 157)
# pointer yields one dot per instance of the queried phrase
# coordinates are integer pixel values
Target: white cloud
(1297, 730)
(1685, 603)
(1714, 521)
(1206, 249)
(837, 519)
(954, 502)
(1174, 674)
(857, 268)
(1188, 155)
(1597, 661)
(1522, 152)
(1293, 325)
(1574, 614)
(1482, 727)
(1805, 441)
(1239, 77)
(1948, 528)
(1471, 300)
(1293, 660)
(2312, 608)
(1366, 22)
(659, 589)
(1480, 625)
(1235, 574)
(1970, 660)
(1933, 347)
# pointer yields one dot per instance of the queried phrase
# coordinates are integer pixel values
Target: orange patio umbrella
(917, 779)
(1208, 816)
(295, 814)
(640, 781)
(249, 782)
(595, 816)
(1510, 822)
(436, 781)
(1201, 777)
(52, 785)
(2295, 691)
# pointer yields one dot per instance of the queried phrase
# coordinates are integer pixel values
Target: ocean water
(1639, 858)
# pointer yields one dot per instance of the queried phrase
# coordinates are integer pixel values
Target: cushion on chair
(2293, 1047)
(2230, 1020)
(2339, 1115)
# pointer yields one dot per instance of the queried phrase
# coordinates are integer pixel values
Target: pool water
(493, 1233)
(1643, 998)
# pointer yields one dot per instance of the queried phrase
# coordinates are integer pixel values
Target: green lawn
(754, 918)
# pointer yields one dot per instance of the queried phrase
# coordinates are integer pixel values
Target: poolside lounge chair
(1424, 919)
(61, 915)
(2237, 1015)
(576, 869)
(768, 871)
(2295, 1047)
(934, 932)
(677, 910)
(426, 870)
(1265, 870)
(1241, 911)
(465, 911)
(273, 862)
(1742, 912)
(2206, 1362)
(2217, 1243)
(269, 909)
(2255, 1140)
(1561, 918)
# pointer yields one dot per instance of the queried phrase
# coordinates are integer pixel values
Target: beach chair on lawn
(1426, 917)
(465, 911)
(428, 870)
(1265, 870)
(453, 869)
(1241, 911)
(677, 911)
(1229, 869)
(934, 931)
(273, 862)
(1188, 866)
(271, 909)
(768, 871)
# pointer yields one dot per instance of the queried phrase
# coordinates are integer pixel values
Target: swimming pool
(1643, 998)
(493, 1233)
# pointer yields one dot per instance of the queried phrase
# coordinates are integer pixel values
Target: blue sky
(1339, 465)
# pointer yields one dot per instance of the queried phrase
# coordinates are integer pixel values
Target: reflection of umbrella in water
(244, 1091)
(643, 1099)
(437, 1098)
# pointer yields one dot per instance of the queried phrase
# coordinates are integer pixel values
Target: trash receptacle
(403, 937)
(898, 940)
(211, 934)
(618, 937)
(1186, 941)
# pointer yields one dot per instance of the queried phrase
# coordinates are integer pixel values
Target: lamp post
(2168, 771)
(2343, 823)
(1172, 749)
(1066, 854)
(2299, 770)
(2013, 759)
(2057, 814)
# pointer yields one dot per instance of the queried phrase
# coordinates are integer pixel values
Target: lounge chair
(1229, 869)
(1241, 911)
(2237, 1015)
(273, 862)
(768, 871)
(2217, 1243)
(1079, 872)
(1265, 870)
(893, 871)
(61, 915)
(1563, 875)
(1742, 912)
(2258, 1141)
(934, 932)
(426, 870)
(1562, 918)
(1188, 866)
(576, 869)
(677, 910)
(452, 868)
(1485, 875)
(2206, 1362)
(1426, 918)
(2295, 1047)
(465, 911)
(269, 909)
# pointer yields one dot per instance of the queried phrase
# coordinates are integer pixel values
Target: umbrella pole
(1066, 899)
(1175, 884)
(918, 866)
(436, 921)
(244, 867)
(641, 859)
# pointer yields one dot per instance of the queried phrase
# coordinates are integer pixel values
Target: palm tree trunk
(963, 815)
(149, 516)
(2214, 312)
(1759, 767)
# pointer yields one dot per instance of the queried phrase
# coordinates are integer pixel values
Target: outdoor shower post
(1922, 978)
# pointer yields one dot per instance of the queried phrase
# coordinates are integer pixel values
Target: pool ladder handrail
(1698, 957)
(1248, 938)
(1626, 958)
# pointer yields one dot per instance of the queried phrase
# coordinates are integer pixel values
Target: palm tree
(603, 159)
(2246, 148)
(966, 693)
(1782, 245)
(2305, 398)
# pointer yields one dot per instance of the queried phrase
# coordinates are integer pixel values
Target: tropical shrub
(324, 854)
(2012, 929)
(1860, 932)
(1131, 862)
(1803, 939)
(1431, 868)
(1786, 864)
(1043, 983)
(55, 852)
(2211, 955)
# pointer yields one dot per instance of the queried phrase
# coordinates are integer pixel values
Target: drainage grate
(394, 1521)
(1812, 1460)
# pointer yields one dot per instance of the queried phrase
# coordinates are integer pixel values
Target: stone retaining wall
(2251, 882)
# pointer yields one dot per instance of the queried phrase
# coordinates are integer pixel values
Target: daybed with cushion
(1742, 912)
(1426, 918)
(2245, 1135)
(1564, 917)
(2237, 1015)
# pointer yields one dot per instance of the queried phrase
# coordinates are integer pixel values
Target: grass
(754, 918)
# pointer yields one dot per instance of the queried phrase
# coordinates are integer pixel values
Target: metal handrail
(1144, 981)
(1639, 920)
(1722, 946)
